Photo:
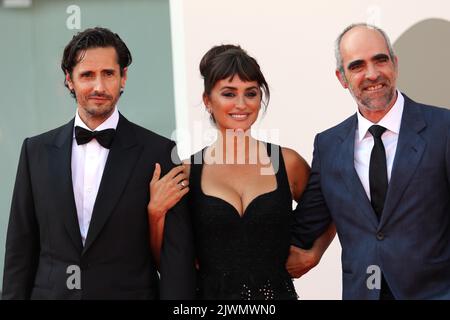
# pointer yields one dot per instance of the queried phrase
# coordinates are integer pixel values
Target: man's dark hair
(93, 38)
(228, 60)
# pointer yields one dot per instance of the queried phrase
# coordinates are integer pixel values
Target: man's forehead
(97, 57)
(363, 43)
(362, 31)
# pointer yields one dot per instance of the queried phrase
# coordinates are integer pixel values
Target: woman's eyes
(250, 94)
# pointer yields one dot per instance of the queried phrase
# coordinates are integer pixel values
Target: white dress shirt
(364, 141)
(88, 163)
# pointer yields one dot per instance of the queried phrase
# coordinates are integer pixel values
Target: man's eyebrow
(355, 63)
(380, 56)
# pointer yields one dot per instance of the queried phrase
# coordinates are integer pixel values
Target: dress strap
(196, 170)
(276, 157)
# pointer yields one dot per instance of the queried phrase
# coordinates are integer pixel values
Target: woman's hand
(165, 192)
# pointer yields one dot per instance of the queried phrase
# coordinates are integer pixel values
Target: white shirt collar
(391, 121)
(110, 123)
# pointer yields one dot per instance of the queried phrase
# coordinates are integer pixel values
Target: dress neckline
(236, 212)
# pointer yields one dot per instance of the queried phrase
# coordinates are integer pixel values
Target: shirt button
(380, 236)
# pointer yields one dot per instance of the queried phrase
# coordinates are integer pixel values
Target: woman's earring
(211, 115)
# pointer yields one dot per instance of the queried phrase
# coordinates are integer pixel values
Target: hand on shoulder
(166, 191)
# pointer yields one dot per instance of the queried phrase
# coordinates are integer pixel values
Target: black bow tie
(103, 137)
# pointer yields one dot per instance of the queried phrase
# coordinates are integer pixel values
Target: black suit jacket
(44, 240)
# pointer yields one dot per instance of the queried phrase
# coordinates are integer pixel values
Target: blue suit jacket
(411, 242)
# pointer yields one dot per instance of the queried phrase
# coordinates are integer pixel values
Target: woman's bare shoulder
(297, 170)
(294, 161)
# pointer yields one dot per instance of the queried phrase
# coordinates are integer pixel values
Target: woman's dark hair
(93, 38)
(228, 60)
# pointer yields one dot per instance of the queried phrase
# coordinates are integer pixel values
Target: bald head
(353, 27)
(367, 67)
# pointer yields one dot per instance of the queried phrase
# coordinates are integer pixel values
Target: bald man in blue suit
(383, 178)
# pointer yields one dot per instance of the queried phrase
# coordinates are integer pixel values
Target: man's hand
(300, 261)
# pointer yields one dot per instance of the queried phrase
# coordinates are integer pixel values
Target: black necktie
(103, 137)
(378, 188)
(378, 180)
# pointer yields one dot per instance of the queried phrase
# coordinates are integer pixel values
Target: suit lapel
(345, 166)
(121, 160)
(60, 153)
(410, 148)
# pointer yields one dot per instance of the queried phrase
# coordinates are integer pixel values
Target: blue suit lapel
(345, 166)
(410, 148)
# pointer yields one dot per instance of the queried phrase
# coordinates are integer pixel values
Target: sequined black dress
(243, 257)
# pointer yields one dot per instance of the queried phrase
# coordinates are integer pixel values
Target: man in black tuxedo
(78, 225)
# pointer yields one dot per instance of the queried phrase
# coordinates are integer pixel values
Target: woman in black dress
(241, 191)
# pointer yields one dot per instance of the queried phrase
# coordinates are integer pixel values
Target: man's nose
(372, 72)
(99, 85)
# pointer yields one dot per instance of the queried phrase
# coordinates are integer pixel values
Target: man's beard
(370, 104)
(103, 110)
